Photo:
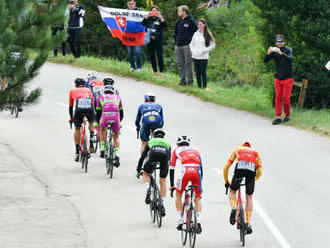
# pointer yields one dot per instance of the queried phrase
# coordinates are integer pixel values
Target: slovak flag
(126, 25)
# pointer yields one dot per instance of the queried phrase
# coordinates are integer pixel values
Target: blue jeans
(135, 52)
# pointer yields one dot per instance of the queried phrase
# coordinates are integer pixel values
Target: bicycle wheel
(184, 232)
(158, 207)
(242, 227)
(192, 228)
(152, 203)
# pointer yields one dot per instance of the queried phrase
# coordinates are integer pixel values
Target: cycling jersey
(112, 110)
(83, 100)
(83, 95)
(151, 114)
(96, 86)
(248, 159)
(191, 168)
(157, 150)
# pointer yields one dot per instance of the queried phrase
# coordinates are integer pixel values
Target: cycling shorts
(153, 158)
(111, 117)
(79, 114)
(249, 181)
(146, 130)
(190, 174)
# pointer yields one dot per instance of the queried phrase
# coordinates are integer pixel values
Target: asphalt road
(90, 210)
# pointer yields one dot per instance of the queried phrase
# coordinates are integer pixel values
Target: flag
(126, 25)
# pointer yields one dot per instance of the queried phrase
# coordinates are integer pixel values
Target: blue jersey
(151, 114)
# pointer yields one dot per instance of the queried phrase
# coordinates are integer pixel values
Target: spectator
(283, 57)
(210, 4)
(155, 24)
(76, 14)
(202, 42)
(134, 52)
(56, 29)
(184, 30)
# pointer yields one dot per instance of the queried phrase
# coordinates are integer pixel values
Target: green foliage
(306, 26)
(237, 57)
(25, 25)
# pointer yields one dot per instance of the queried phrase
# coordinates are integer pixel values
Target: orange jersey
(79, 92)
(246, 156)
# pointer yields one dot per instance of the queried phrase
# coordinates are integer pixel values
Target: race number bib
(243, 165)
(84, 103)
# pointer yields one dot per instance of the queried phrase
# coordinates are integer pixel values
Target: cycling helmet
(92, 74)
(108, 81)
(149, 97)
(247, 144)
(183, 141)
(159, 133)
(108, 89)
(80, 82)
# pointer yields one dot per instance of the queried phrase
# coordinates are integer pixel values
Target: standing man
(76, 14)
(283, 57)
(134, 52)
(58, 28)
(185, 28)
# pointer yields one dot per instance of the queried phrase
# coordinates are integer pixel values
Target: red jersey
(80, 93)
(187, 155)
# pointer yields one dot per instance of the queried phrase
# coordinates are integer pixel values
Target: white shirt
(198, 48)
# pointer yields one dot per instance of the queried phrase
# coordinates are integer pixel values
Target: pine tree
(25, 41)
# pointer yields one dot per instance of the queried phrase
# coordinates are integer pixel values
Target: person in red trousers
(283, 57)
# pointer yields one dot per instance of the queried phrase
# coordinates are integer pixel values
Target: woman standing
(201, 44)
(155, 24)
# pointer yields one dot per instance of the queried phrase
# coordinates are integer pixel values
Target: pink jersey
(109, 103)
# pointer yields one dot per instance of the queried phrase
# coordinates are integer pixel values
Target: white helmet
(92, 74)
(183, 140)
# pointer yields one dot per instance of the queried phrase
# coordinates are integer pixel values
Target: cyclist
(94, 84)
(191, 171)
(157, 150)
(151, 114)
(248, 166)
(110, 81)
(82, 98)
(109, 108)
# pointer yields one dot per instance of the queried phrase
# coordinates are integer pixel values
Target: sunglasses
(279, 41)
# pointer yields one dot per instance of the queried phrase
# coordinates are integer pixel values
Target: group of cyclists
(99, 101)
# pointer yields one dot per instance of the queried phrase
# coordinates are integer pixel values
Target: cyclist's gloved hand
(172, 188)
(138, 128)
(227, 185)
(70, 120)
(96, 124)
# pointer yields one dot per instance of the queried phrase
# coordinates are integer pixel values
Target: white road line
(62, 104)
(269, 223)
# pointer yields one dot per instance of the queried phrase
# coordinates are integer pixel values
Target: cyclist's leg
(77, 120)
(181, 185)
(103, 133)
(91, 118)
(250, 183)
(147, 170)
(116, 130)
(144, 135)
(197, 180)
(232, 198)
(163, 174)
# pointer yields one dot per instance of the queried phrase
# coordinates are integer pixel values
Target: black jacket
(283, 63)
(184, 31)
(158, 27)
(76, 17)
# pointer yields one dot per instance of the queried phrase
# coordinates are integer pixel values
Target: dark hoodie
(184, 31)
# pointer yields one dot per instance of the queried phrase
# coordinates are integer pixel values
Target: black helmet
(108, 81)
(109, 89)
(80, 82)
(159, 133)
(183, 141)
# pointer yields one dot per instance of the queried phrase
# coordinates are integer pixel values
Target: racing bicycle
(240, 213)
(189, 227)
(84, 153)
(109, 151)
(155, 199)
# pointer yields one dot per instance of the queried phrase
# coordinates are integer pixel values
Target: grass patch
(248, 98)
